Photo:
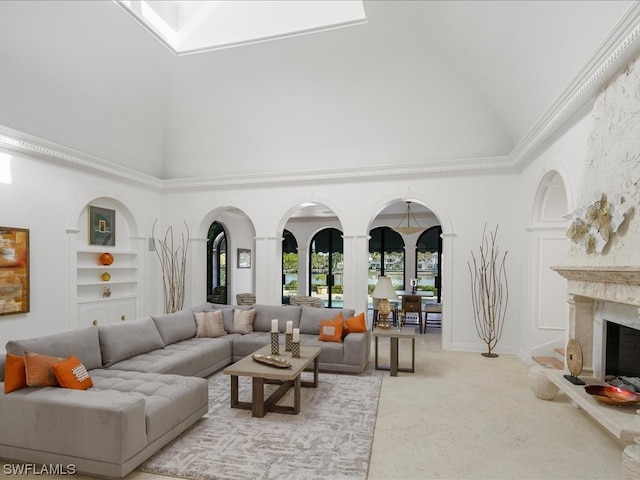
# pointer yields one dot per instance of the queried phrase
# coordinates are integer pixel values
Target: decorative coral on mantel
(592, 227)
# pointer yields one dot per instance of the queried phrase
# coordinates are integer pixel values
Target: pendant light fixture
(408, 229)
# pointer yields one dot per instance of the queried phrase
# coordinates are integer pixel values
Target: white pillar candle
(296, 335)
(274, 325)
(289, 326)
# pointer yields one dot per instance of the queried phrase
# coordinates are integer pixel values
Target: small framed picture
(244, 258)
(102, 226)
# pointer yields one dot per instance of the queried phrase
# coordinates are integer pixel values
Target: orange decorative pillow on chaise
(15, 376)
(71, 373)
(39, 369)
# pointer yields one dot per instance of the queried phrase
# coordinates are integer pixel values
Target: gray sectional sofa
(147, 385)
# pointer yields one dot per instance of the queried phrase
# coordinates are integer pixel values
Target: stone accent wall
(612, 166)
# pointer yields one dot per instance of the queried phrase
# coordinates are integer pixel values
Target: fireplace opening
(622, 351)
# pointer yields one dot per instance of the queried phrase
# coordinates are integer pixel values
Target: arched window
(386, 257)
(217, 264)
(428, 260)
(326, 266)
(289, 266)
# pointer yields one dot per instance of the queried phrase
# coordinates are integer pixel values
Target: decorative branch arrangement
(489, 291)
(173, 260)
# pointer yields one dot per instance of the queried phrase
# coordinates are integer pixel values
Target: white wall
(47, 199)
(463, 204)
(544, 307)
(43, 194)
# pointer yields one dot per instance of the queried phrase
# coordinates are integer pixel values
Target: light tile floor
(464, 416)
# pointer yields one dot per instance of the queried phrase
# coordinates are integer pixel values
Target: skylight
(199, 26)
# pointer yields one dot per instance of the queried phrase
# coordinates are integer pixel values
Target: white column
(303, 269)
(356, 271)
(581, 328)
(268, 268)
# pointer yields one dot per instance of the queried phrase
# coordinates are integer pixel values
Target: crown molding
(441, 167)
(620, 46)
(22, 142)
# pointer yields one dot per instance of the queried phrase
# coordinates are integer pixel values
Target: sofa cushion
(82, 343)
(310, 318)
(266, 313)
(15, 375)
(124, 340)
(168, 399)
(39, 369)
(209, 324)
(174, 327)
(192, 357)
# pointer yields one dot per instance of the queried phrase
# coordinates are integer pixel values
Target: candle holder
(295, 349)
(275, 343)
(288, 341)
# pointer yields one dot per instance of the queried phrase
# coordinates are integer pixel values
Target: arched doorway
(289, 266)
(326, 263)
(217, 271)
(386, 257)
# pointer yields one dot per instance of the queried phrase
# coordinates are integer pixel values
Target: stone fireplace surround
(598, 294)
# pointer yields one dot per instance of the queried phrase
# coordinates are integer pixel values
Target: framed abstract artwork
(244, 258)
(102, 226)
(14, 270)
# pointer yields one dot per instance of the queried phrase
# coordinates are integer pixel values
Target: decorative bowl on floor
(612, 395)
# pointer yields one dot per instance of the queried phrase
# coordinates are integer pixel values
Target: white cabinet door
(93, 314)
(106, 312)
(122, 310)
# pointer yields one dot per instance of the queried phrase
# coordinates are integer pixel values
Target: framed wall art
(14, 270)
(102, 226)
(244, 258)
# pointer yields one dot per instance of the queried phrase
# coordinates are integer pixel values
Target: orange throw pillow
(71, 373)
(39, 371)
(331, 330)
(355, 324)
(15, 376)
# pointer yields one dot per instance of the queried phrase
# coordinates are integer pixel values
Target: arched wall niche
(96, 299)
(547, 308)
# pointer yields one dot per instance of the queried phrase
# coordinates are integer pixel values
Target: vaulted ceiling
(420, 83)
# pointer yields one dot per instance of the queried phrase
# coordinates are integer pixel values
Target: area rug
(331, 437)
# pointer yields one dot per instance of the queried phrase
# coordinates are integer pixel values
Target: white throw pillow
(209, 324)
(243, 321)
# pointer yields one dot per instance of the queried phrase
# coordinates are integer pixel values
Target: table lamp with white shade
(383, 292)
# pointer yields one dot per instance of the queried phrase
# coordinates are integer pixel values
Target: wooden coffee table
(285, 377)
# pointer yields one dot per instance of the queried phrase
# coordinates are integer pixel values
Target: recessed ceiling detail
(198, 26)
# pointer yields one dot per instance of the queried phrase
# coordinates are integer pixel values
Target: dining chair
(412, 304)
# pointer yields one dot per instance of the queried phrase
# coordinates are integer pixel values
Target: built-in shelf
(95, 306)
(621, 421)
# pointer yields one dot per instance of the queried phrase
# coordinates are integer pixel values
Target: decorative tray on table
(271, 360)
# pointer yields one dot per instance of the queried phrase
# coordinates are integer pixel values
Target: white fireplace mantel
(612, 283)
